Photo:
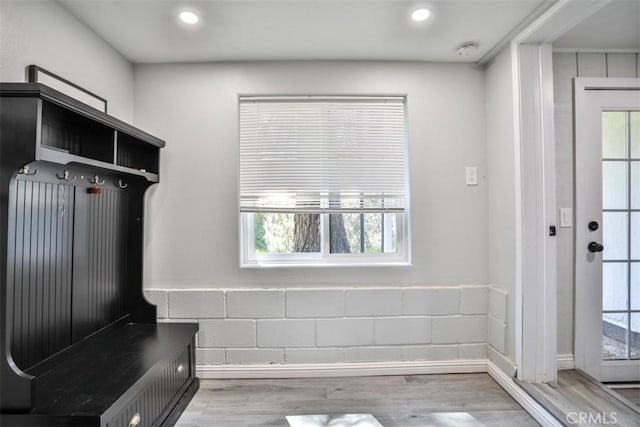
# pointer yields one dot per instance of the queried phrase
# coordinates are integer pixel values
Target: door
(607, 228)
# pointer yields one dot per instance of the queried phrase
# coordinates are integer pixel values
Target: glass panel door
(621, 235)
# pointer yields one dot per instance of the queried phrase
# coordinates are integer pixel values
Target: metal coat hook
(96, 180)
(65, 176)
(121, 184)
(26, 171)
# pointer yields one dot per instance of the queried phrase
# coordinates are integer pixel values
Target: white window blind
(319, 154)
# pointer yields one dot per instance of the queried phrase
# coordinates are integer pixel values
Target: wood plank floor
(577, 393)
(628, 392)
(461, 400)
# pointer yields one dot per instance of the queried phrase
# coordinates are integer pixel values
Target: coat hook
(121, 184)
(65, 176)
(26, 171)
(96, 180)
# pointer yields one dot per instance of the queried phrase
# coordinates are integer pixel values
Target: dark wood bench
(80, 344)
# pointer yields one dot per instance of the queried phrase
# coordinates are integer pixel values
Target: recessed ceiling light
(420, 15)
(188, 17)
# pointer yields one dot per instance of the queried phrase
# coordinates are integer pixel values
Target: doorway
(607, 228)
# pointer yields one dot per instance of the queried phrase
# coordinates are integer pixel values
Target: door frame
(585, 300)
(536, 210)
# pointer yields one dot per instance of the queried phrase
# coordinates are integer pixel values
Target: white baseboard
(501, 361)
(522, 397)
(565, 361)
(312, 370)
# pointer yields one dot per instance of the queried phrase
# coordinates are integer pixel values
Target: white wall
(428, 311)
(337, 325)
(193, 214)
(501, 203)
(566, 66)
(45, 34)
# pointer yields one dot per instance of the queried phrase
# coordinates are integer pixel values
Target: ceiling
(615, 26)
(239, 30)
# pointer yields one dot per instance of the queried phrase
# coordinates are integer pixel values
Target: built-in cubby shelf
(71, 133)
(132, 153)
(67, 131)
(80, 344)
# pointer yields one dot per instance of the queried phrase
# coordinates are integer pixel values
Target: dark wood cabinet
(79, 343)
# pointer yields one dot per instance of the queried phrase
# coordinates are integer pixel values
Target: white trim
(317, 370)
(550, 291)
(537, 411)
(537, 261)
(501, 361)
(504, 42)
(565, 361)
(517, 180)
(558, 20)
(539, 23)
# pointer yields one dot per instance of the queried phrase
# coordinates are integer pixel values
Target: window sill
(322, 264)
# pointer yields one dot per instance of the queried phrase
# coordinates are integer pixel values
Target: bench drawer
(149, 405)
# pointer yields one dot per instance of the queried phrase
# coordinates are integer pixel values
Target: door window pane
(635, 286)
(635, 134)
(614, 336)
(635, 185)
(615, 235)
(614, 134)
(634, 336)
(614, 285)
(635, 235)
(614, 185)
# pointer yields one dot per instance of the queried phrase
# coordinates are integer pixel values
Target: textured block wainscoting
(319, 326)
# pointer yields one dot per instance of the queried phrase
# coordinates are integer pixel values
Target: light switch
(566, 217)
(472, 175)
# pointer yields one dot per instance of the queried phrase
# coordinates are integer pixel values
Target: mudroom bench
(79, 343)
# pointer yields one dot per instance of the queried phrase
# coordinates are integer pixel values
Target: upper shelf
(69, 131)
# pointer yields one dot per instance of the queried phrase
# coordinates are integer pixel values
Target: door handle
(595, 247)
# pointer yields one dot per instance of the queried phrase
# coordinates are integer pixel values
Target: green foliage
(275, 233)
(258, 231)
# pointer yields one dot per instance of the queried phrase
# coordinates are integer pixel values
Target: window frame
(249, 258)
(402, 256)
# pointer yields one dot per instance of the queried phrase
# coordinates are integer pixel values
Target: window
(323, 180)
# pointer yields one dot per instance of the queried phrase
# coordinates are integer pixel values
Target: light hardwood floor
(631, 394)
(576, 393)
(461, 400)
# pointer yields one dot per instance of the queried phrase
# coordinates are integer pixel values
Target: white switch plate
(566, 217)
(472, 175)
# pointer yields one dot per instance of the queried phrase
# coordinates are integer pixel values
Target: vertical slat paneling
(67, 217)
(621, 65)
(41, 296)
(46, 266)
(105, 257)
(33, 271)
(16, 343)
(591, 64)
(39, 336)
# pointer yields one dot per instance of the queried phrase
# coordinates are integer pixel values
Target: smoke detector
(467, 49)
